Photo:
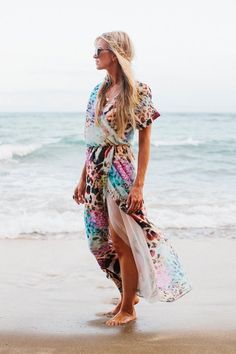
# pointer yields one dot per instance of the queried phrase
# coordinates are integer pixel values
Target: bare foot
(121, 317)
(117, 308)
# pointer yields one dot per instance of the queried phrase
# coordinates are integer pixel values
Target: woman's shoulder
(143, 88)
(93, 96)
(95, 90)
(144, 94)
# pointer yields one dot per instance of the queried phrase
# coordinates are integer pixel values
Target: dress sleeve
(146, 113)
(90, 113)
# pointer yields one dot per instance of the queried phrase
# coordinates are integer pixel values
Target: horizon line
(162, 112)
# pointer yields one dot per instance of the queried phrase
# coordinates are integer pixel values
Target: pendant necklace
(108, 99)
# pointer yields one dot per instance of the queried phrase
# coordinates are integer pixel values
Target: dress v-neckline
(109, 104)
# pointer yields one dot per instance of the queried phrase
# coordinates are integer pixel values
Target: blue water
(190, 184)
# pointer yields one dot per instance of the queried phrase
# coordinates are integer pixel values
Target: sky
(185, 51)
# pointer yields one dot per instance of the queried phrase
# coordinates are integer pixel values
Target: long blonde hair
(121, 45)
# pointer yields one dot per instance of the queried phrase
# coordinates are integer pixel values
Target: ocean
(189, 189)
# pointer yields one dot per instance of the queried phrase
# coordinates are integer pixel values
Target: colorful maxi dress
(110, 173)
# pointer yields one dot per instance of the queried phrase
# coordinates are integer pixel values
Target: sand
(53, 295)
(125, 341)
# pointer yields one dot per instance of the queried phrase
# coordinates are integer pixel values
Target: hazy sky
(185, 51)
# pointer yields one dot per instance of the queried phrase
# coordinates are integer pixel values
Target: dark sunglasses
(99, 50)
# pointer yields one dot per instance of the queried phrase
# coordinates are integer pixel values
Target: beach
(125, 342)
(165, 65)
(53, 296)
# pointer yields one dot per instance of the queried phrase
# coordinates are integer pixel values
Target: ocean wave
(227, 232)
(44, 236)
(188, 141)
(11, 151)
(8, 151)
(72, 140)
(41, 224)
(223, 145)
(169, 232)
(184, 219)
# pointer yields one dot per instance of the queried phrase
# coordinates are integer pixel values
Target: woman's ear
(114, 58)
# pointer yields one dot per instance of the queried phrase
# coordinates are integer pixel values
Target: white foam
(24, 222)
(188, 141)
(194, 216)
(8, 151)
(41, 224)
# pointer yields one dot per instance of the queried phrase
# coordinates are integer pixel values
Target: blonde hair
(121, 45)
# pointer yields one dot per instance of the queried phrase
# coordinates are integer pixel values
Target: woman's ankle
(129, 308)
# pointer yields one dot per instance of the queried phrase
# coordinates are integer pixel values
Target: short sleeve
(145, 112)
(92, 98)
(90, 111)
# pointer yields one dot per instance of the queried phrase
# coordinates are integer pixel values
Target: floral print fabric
(110, 173)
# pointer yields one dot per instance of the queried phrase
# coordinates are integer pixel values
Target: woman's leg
(129, 276)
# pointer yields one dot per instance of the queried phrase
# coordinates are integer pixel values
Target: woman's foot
(118, 306)
(122, 317)
(115, 310)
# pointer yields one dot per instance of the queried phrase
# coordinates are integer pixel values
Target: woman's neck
(115, 75)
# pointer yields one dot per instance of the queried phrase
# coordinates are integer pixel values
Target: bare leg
(129, 276)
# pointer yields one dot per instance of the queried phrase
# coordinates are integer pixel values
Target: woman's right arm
(83, 174)
(79, 191)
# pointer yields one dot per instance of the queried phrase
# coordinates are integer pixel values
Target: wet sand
(123, 342)
(53, 295)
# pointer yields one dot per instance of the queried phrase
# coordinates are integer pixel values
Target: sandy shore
(53, 296)
(126, 341)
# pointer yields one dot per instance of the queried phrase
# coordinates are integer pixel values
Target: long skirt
(110, 173)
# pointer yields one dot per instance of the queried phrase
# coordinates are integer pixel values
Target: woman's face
(106, 58)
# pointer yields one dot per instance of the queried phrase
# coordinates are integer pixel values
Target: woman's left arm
(135, 197)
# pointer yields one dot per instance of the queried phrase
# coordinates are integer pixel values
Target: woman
(127, 245)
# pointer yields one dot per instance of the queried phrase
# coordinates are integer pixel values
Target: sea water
(190, 185)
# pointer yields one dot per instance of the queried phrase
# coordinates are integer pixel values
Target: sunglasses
(99, 50)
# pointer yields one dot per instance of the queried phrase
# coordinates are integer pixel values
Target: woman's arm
(135, 198)
(143, 155)
(80, 188)
(83, 174)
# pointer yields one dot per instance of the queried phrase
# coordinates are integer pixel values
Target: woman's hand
(79, 192)
(135, 199)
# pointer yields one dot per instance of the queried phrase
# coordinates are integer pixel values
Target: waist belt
(108, 142)
(109, 153)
